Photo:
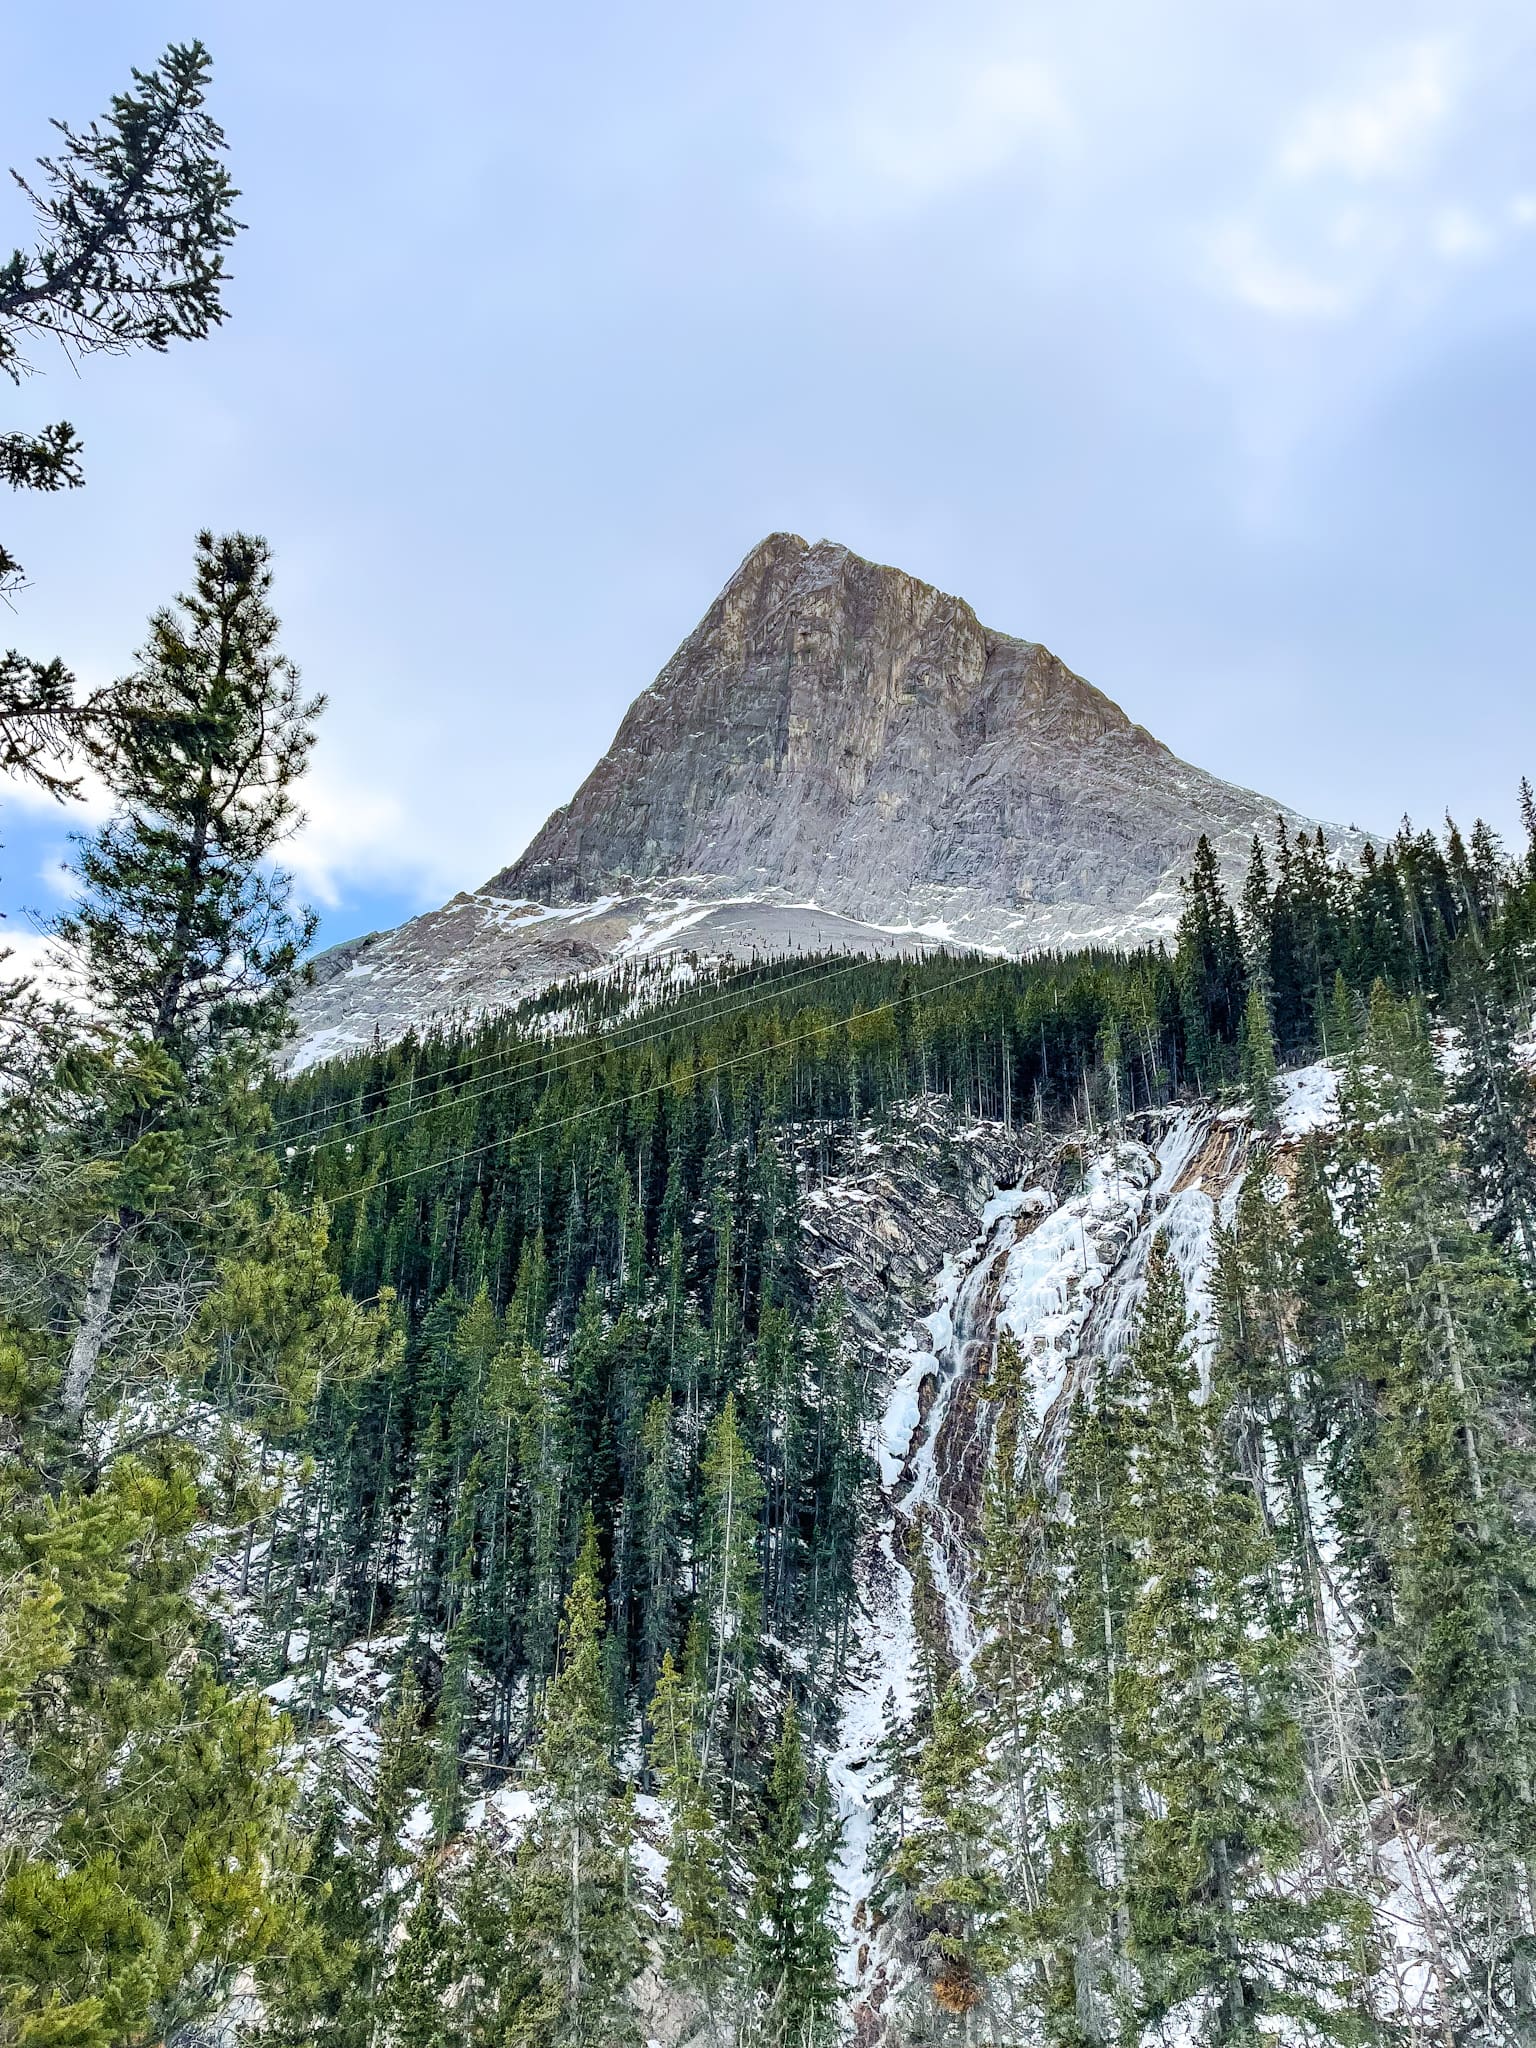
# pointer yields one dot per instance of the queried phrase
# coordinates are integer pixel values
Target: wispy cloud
(1456, 233)
(351, 834)
(921, 127)
(1371, 196)
(1381, 129)
(1245, 269)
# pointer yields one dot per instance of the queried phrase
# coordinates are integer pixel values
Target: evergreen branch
(135, 214)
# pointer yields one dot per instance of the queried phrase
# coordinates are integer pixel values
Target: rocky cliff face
(838, 732)
(838, 756)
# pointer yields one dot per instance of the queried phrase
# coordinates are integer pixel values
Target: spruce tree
(319, 1995)
(1094, 1794)
(1205, 1702)
(182, 935)
(175, 1824)
(658, 1535)
(703, 1944)
(1208, 968)
(1256, 1060)
(401, 1768)
(1016, 1600)
(133, 216)
(954, 1862)
(730, 1575)
(503, 1999)
(575, 1857)
(790, 1952)
(1442, 1341)
(1494, 1102)
(422, 1974)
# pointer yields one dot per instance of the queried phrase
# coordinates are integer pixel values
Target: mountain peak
(839, 757)
(839, 731)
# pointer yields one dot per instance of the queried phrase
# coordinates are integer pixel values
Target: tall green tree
(1017, 1602)
(1095, 1798)
(133, 215)
(1256, 1069)
(421, 1980)
(1205, 1699)
(1441, 1339)
(955, 1863)
(790, 1952)
(575, 1858)
(165, 1791)
(730, 1577)
(703, 1945)
(182, 934)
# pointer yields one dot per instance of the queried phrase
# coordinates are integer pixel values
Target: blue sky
(1194, 340)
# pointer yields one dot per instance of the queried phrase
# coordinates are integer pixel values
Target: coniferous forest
(452, 1505)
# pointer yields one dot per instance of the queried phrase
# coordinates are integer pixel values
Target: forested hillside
(939, 1501)
(950, 1502)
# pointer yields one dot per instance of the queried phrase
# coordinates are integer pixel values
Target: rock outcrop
(838, 756)
(840, 733)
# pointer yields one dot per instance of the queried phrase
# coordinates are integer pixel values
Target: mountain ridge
(839, 756)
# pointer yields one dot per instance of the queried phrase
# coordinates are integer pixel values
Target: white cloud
(1456, 233)
(38, 958)
(1350, 213)
(1250, 272)
(92, 806)
(350, 834)
(59, 878)
(1382, 130)
(922, 129)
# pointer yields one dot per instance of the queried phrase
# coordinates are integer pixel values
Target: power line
(656, 1087)
(758, 995)
(526, 1056)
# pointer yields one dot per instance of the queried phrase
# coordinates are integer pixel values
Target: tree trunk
(85, 1352)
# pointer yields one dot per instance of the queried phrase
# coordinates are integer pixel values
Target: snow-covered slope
(483, 952)
(1064, 1274)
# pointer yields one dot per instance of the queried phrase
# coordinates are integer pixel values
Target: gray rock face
(838, 757)
(839, 733)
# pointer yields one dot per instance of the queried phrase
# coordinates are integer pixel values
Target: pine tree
(658, 1536)
(169, 1797)
(504, 1999)
(1016, 1601)
(894, 1778)
(1256, 1061)
(698, 1877)
(1209, 1726)
(1209, 967)
(173, 1871)
(840, 1480)
(730, 1574)
(134, 216)
(1441, 1340)
(575, 1857)
(182, 934)
(1254, 916)
(954, 1862)
(401, 1767)
(1094, 1795)
(790, 1953)
(422, 1974)
(1494, 1102)
(1259, 1385)
(318, 1995)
